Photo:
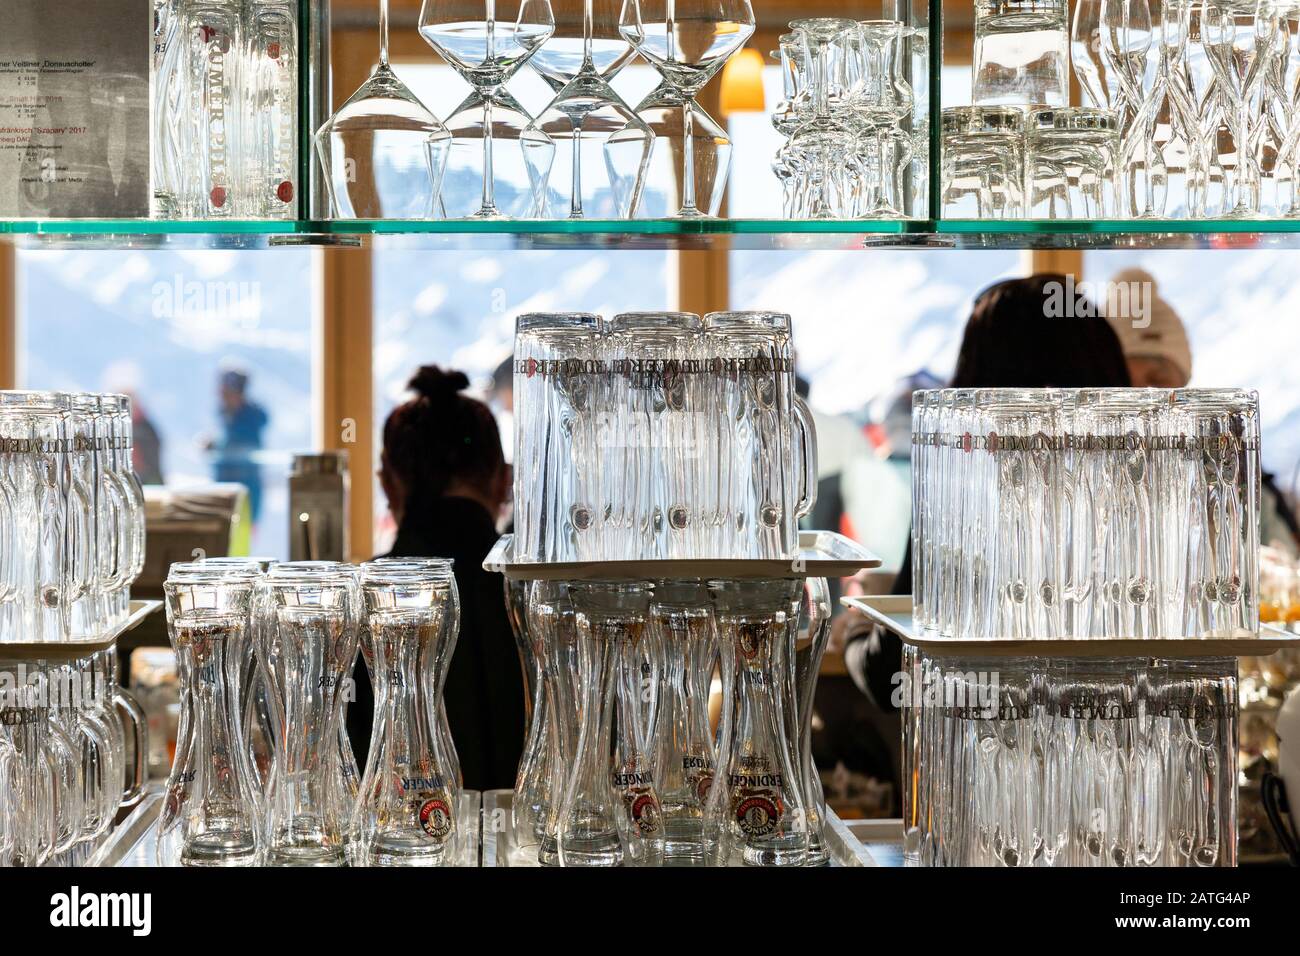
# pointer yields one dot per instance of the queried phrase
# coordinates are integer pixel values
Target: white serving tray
(894, 612)
(822, 554)
(845, 848)
(134, 842)
(71, 650)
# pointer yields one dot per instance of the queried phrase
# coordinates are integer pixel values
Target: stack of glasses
(71, 516)
(849, 118)
(225, 109)
(73, 745)
(622, 767)
(1171, 92)
(659, 435)
(1043, 515)
(266, 654)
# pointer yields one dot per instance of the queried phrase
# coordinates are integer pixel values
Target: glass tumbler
(308, 640)
(1022, 53)
(211, 813)
(983, 162)
(1071, 163)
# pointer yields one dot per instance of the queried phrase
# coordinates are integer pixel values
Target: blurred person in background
(243, 423)
(123, 378)
(501, 399)
(446, 480)
(1009, 342)
(1159, 355)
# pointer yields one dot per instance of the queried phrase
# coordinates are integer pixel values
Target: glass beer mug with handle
(405, 811)
(681, 619)
(756, 814)
(210, 813)
(611, 814)
(308, 642)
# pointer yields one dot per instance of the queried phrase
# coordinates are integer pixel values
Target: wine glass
(585, 52)
(687, 41)
(881, 98)
(383, 153)
(1086, 56)
(1127, 47)
(486, 42)
(1239, 41)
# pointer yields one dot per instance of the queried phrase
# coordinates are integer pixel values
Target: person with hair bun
(446, 480)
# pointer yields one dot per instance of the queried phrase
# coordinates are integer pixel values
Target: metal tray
(894, 612)
(498, 850)
(134, 843)
(822, 554)
(71, 650)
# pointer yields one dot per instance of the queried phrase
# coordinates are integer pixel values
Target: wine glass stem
(688, 157)
(489, 176)
(383, 33)
(575, 203)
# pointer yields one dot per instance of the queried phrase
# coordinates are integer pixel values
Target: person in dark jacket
(1010, 342)
(446, 480)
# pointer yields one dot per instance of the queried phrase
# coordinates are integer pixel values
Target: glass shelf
(739, 234)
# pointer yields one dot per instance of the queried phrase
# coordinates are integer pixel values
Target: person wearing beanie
(1155, 343)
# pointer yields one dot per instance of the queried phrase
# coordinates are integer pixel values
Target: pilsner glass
(528, 805)
(552, 618)
(308, 644)
(210, 815)
(756, 814)
(681, 621)
(611, 814)
(813, 630)
(405, 812)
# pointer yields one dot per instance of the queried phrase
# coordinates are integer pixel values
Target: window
(165, 326)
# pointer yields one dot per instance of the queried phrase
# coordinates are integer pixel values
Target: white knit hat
(1162, 336)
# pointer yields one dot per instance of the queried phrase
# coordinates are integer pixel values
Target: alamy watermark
(1117, 301)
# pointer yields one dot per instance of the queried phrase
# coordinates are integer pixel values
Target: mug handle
(806, 458)
(134, 715)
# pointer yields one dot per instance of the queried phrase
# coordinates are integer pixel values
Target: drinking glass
(211, 814)
(486, 42)
(687, 41)
(383, 153)
(1071, 161)
(756, 814)
(611, 814)
(882, 101)
(405, 810)
(307, 645)
(1022, 53)
(764, 478)
(270, 167)
(552, 618)
(657, 404)
(983, 162)
(681, 621)
(587, 119)
(819, 149)
(558, 515)
(812, 626)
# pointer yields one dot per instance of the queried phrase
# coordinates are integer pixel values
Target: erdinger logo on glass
(74, 909)
(435, 818)
(756, 796)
